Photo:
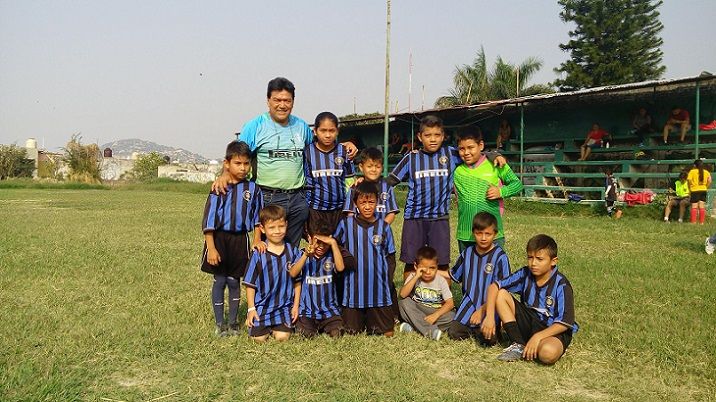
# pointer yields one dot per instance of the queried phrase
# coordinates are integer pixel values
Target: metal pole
(386, 120)
(696, 122)
(522, 141)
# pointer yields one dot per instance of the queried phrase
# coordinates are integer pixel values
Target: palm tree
(474, 83)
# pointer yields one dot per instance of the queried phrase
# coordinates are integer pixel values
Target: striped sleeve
(348, 204)
(348, 168)
(565, 306)
(293, 257)
(257, 204)
(210, 222)
(340, 233)
(511, 184)
(513, 283)
(253, 273)
(455, 158)
(503, 268)
(458, 270)
(389, 242)
(401, 172)
(391, 205)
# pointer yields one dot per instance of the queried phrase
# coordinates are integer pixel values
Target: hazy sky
(189, 74)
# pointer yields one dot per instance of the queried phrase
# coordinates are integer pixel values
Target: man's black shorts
(233, 249)
(529, 324)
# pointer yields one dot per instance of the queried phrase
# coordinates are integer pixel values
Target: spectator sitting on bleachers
(642, 125)
(678, 119)
(503, 133)
(593, 140)
(681, 198)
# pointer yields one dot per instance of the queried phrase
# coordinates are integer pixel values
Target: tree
(82, 161)
(614, 42)
(14, 162)
(474, 83)
(145, 166)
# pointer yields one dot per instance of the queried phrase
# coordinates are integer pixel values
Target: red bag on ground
(708, 126)
(639, 198)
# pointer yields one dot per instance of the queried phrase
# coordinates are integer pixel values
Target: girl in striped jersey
(272, 295)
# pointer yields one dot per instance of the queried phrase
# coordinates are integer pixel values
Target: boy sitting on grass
(228, 218)
(540, 325)
(426, 304)
(477, 267)
(367, 301)
(319, 310)
(272, 296)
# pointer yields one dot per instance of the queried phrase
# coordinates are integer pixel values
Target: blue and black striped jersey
(326, 173)
(268, 274)
(429, 178)
(318, 294)
(386, 201)
(367, 285)
(476, 272)
(235, 211)
(553, 301)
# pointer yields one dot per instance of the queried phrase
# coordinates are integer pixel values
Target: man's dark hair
(237, 148)
(469, 133)
(280, 84)
(484, 220)
(431, 121)
(426, 253)
(371, 154)
(542, 242)
(365, 187)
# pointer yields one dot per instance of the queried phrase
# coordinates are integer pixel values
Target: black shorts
(318, 218)
(310, 327)
(233, 249)
(458, 331)
(698, 196)
(373, 320)
(261, 330)
(529, 324)
(425, 232)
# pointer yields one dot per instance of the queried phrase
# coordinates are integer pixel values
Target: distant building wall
(190, 172)
(113, 168)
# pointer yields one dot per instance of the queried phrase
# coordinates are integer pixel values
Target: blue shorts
(425, 232)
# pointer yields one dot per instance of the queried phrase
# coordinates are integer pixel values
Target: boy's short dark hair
(426, 253)
(322, 228)
(272, 213)
(365, 188)
(542, 242)
(370, 154)
(237, 148)
(431, 121)
(469, 133)
(484, 220)
(280, 84)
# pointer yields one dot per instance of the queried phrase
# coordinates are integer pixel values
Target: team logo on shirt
(384, 196)
(339, 161)
(377, 239)
(549, 301)
(328, 266)
(488, 267)
(247, 195)
(443, 160)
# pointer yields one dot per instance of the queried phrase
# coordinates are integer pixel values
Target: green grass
(102, 299)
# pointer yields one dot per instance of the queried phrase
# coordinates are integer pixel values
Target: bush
(13, 162)
(83, 161)
(145, 167)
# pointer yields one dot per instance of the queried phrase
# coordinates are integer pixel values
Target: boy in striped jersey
(228, 218)
(429, 173)
(319, 310)
(477, 267)
(272, 295)
(367, 300)
(326, 166)
(480, 187)
(540, 325)
(370, 163)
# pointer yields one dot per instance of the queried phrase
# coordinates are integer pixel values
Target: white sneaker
(709, 247)
(436, 334)
(666, 219)
(405, 327)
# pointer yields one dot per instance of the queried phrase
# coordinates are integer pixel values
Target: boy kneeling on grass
(272, 295)
(426, 303)
(544, 317)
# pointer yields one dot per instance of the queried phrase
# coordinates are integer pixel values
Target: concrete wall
(190, 172)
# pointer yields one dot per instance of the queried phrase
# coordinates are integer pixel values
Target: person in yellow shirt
(680, 198)
(699, 180)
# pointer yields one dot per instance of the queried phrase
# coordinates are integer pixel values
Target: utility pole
(387, 91)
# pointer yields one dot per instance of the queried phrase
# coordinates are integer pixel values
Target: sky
(189, 74)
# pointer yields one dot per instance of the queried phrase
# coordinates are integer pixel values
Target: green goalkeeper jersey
(471, 184)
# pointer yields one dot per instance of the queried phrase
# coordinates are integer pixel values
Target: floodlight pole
(386, 120)
(696, 122)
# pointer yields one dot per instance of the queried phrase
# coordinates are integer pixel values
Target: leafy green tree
(14, 162)
(83, 161)
(614, 42)
(474, 83)
(145, 166)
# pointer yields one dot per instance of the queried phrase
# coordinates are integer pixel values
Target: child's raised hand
(213, 257)
(260, 247)
(251, 317)
(325, 239)
(493, 193)
(351, 149)
(500, 161)
(488, 327)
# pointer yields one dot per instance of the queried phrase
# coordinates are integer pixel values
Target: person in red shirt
(678, 119)
(593, 140)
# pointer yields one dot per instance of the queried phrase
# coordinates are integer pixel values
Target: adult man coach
(277, 139)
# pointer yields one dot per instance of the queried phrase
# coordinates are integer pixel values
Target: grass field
(102, 300)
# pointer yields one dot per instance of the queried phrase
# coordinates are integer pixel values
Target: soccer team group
(342, 281)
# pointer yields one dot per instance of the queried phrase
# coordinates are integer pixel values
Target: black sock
(513, 332)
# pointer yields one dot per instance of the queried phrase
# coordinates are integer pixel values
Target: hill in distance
(125, 148)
